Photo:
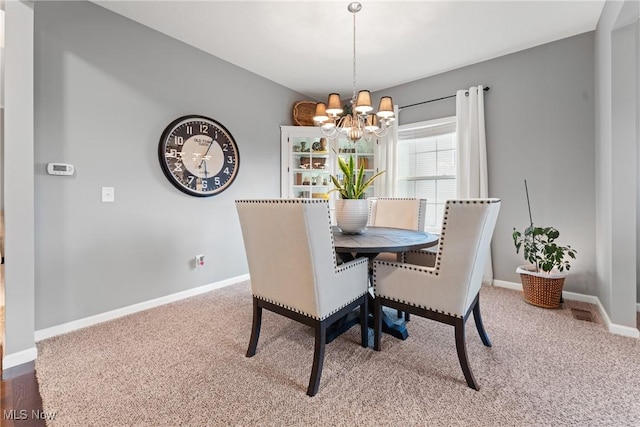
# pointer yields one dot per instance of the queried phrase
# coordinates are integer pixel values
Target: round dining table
(376, 240)
(371, 243)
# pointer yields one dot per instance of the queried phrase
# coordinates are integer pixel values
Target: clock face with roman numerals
(198, 155)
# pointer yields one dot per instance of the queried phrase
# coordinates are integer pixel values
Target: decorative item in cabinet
(346, 150)
(319, 163)
(319, 146)
(312, 162)
(306, 154)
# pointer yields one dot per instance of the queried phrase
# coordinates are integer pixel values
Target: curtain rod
(437, 99)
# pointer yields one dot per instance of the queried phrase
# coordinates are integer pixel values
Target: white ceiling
(307, 45)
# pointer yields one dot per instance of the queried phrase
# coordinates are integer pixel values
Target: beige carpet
(183, 365)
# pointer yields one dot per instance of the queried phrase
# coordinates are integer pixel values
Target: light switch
(108, 194)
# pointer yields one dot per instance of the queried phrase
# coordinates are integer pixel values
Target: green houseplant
(541, 250)
(543, 279)
(352, 209)
(353, 184)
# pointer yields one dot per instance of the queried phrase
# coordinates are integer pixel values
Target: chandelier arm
(329, 133)
(381, 132)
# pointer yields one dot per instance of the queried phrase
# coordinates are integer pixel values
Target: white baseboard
(509, 285)
(124, 311)
(20, 357)
(614, 328)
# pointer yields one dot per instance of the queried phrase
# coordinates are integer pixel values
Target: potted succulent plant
(352, 209)
(543, 279)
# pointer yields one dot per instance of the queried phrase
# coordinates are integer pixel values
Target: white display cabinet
(308, 159)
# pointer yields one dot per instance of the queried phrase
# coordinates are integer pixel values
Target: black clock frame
(169, 174)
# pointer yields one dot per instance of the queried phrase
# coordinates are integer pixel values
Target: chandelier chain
(359, 121)
(353, 96)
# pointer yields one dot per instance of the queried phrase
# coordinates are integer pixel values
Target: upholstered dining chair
(397, 212)
(449, 290)
(294, 272)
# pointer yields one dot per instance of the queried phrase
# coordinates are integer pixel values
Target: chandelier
(360, 121)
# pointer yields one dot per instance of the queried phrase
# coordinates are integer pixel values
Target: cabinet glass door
(310, 167)
(309, 160)
(362, 152)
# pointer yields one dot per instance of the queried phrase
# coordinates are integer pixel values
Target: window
(426, 165)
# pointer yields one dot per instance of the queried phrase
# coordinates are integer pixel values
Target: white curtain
(386, 155)
(472, 179)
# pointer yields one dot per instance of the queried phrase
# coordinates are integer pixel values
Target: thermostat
(60, 169)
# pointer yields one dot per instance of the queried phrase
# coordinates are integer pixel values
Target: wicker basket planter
(541, 289)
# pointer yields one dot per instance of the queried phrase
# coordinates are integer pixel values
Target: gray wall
(616, 82)
(18, 179)
(106, 87)
(539, 117)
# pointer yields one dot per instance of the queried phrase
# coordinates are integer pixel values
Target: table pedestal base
(397, 329)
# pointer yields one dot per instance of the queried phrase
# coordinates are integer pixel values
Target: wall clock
(198, 155)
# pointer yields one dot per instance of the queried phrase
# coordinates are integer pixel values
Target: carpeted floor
(183, 365)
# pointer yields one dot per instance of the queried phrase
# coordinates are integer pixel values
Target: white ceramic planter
(531, 270)
(352, 215)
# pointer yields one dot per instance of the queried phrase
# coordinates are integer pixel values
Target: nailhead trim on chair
(426, 308)
(303, 201)
(370, 206)
(399, 198)
(409, 267)
(333, 244)
(444, 226)
(436, 268)
(283, 201)
(337, 268)
(421, 253)
(302, 312)
(343, 267)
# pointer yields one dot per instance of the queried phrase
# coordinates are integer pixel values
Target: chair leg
(377, 323)
(461, 348)
(318, 359)
(364, 322)
(255, 328)
(479, 325)
(399, 314)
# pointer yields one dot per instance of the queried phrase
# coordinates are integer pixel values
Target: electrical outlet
(199, 261)
(108, 194)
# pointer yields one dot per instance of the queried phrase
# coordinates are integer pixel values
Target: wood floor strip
(20, 398)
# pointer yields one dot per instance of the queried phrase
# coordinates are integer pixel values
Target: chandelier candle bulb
(372, 123)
